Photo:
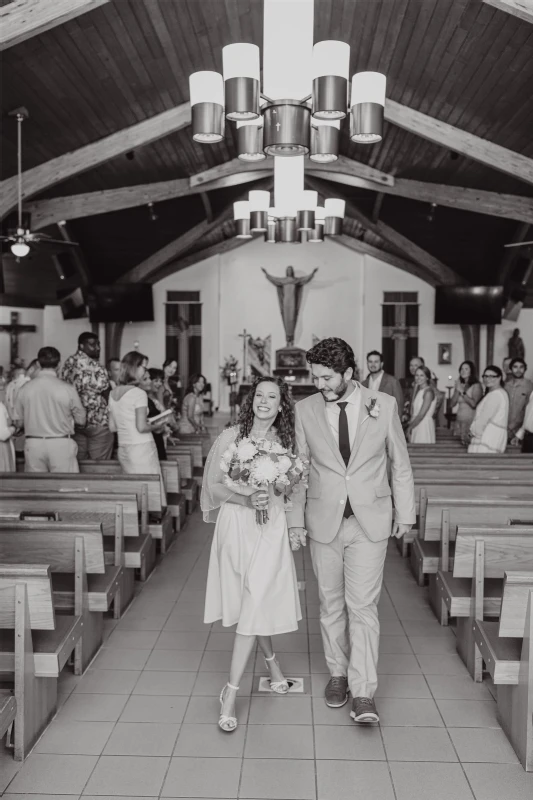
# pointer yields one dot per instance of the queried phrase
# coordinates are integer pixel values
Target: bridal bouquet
(253, 464)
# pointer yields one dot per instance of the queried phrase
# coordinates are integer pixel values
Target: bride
(252, 579)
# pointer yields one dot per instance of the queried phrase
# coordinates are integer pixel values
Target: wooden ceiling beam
(22, 19)
(58, 169)
(523, 9)
(452, 138)
(442, 273)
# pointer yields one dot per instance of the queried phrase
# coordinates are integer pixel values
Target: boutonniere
(373, 408)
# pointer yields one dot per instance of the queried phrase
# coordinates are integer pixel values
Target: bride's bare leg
(265, 643)
(242, 650)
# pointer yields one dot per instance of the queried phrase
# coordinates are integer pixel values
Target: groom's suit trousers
(349, 571)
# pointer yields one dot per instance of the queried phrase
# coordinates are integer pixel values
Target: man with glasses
(519, 389)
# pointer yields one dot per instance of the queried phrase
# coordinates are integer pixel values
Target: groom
(347, 432)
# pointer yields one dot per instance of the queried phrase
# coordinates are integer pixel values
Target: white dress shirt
(374, 381)
(352, 412)
(527, 425)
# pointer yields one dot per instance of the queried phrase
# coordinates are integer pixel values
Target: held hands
(399, 528)
(297, 538)
(259, 500)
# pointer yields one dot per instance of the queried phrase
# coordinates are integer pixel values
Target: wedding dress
(424, 433)
(251, 581)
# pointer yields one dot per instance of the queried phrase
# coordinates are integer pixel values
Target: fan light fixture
(20, 248)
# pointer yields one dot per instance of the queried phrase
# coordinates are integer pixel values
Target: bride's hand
(259, 500)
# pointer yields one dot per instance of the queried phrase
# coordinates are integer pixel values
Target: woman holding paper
(128, 417)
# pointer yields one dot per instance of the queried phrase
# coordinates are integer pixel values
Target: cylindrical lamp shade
(207, 106)
(241, 209)
(316, 236)
(305, 219)
(271, 236)
(250, 141)
(259, 205)
(331, 63)
(320, 215)
(325, 142)
(367, 105)
(240, 64)
(286, 129)
(242, 229)
(335, 208)
(287, 230)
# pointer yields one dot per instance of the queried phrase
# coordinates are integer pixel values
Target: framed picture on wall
(445, 353)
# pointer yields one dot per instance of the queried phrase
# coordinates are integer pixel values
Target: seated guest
(467, 394)
(84, 371)
(488, 432)
(525, 433)
(421, 426)
(154, 409)
(192, 410)
(113, 371)
(380, 381)
(48, 409)
(128, 417)
(171, 385)
(7, 449)
(519, 388)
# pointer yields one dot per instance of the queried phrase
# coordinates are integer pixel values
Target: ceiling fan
(21, 239)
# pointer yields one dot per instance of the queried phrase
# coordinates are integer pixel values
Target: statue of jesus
(290, 298)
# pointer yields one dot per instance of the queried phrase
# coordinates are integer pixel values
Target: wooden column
(490, 344)
(113, 340)
(471, 342)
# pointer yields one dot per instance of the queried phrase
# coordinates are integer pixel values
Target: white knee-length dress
(252, 580)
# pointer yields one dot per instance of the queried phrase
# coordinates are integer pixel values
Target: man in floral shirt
(91, 380)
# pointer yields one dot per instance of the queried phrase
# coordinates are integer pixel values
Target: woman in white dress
(421, 427)
(252, 579)
(7, 448)
(489, 429)
(128, 418)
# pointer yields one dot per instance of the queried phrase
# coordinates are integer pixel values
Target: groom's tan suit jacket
(320, 509)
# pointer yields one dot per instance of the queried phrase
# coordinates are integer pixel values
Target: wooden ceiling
(462, 62)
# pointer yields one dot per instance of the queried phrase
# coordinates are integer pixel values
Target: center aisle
(142, 721)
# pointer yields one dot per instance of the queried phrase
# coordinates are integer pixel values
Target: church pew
(205, 440)
(117, 513)
(8, 712)
(155, 518)
(506, 648)
(189, 483)
(171, 480)
(59, 545)
(434, 544)
(35, 645)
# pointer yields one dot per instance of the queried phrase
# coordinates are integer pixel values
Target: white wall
(29, 343)
(63, 333)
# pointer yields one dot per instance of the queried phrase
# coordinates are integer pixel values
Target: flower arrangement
(230, 370)
(252, 464)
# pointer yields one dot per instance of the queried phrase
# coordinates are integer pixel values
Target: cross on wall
(14, 329)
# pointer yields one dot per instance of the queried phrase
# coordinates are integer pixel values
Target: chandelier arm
(265, 97)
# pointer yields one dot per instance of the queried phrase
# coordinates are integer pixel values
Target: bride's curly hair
(284, 422)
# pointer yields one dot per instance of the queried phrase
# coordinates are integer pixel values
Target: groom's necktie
(344, 447)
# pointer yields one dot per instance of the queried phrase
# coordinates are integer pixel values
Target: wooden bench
(189, 484)
(439, 517)
(155, 518)
(171, 479)
(507, 650)
(59, 545)
(8, 712)
(35, 645)
(205, 440)
(117, 513)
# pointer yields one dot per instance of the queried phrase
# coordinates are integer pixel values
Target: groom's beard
(332, 396)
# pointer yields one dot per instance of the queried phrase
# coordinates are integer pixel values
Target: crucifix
(14, 329)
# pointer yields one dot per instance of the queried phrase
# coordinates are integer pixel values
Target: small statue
(290, 298)
(516, 346)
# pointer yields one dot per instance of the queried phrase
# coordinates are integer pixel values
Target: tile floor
(142, 722)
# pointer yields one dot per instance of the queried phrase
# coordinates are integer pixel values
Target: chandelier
(298, 114)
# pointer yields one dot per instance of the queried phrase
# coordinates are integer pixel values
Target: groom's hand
(399, 528)
(298, 537)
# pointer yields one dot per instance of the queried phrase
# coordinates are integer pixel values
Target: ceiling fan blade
(40, 239)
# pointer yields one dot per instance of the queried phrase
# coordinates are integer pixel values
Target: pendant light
(207, 106)
(367, 107)
(241, 215)
(330, 72)
(241, 69)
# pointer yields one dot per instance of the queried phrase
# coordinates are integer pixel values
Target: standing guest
(380, 381)
(48, 409)
(489, 429)
(33, 369)
(468, 392)
(18, 379)
(83, 370)
(506, 366)
(128, 417)
(421, 426)
(192, 410)
(3, 384)
(525, 433)
(113, 372)
(519, 388)
(171, 385)
(154, 409)
(409, 388)
(7, 449)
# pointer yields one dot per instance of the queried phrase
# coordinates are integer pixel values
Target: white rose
(284, 464)
(246, 450)
(264, 470)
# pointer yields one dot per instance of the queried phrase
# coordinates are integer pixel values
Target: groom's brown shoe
(337, 691)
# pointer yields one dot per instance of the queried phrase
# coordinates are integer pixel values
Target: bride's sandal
(225, 723)
(280, 687)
